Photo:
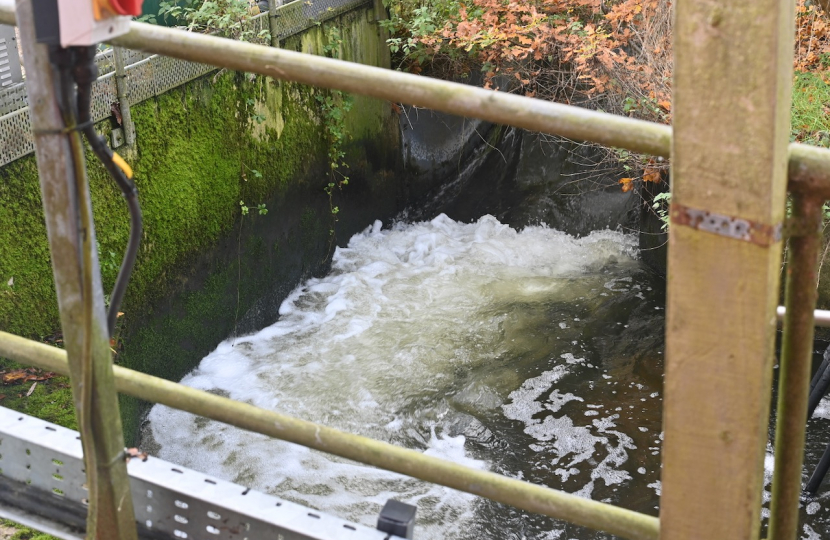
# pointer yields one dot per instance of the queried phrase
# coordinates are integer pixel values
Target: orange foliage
(617, 49)
(527, 41)
(615, 52)
(812, 37)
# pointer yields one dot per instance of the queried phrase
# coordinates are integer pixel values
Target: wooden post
(732, 85)
(111, 511)
(123, 97)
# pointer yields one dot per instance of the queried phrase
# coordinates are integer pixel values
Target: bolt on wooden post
(732, 85)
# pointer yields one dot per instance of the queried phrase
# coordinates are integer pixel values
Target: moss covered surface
(24, 533)
(50, 400)
(204, 271)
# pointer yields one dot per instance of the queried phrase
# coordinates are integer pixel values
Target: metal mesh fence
(297, 16)
(151, 75)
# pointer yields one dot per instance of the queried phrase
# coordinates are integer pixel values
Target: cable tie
(64, 131)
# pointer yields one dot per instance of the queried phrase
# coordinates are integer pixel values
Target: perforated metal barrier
(42, 477)
(146, 75)
(10, 72)
(294, 17)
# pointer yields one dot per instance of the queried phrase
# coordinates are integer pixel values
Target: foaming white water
(416, 337)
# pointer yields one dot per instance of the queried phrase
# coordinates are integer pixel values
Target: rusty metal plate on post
(762, 234)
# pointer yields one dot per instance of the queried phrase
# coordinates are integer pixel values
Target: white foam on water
(376, 347)
(810, 534)
(823, 409)
(658, 486)
(568, 443)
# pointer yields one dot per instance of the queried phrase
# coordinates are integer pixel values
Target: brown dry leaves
(529, 41)
(812, 37)
(24, 375)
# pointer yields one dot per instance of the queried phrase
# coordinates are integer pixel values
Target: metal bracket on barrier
(42, 483)
(761, 234)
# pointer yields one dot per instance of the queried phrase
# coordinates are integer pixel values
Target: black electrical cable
(821, 471)
(61, 60)
(85, 72)
(818, 388)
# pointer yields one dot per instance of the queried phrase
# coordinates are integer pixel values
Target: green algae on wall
(204, 271)
(27, 292)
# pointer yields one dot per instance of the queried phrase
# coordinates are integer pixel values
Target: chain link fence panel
(149, 75)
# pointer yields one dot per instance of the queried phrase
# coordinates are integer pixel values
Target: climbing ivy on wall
(334, 105)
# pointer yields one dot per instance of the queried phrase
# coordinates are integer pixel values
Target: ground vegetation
(610, 55)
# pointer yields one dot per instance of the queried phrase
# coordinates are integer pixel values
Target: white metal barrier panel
(42, 482)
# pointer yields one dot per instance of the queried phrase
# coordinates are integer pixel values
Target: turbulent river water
(533, 354)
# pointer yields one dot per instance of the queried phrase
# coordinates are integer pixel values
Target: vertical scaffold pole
(795, 365)
(123, 95)
(273, 27)
(732, 94)
(108, 483)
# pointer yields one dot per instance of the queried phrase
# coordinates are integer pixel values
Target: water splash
(526, 353)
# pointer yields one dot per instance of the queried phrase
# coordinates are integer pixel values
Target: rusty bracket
(762, 234)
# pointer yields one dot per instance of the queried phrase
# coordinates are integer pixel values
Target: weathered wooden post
(111, 512)
(123, 95)
(732, 85)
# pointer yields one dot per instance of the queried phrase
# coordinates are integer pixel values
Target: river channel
(534, 354)
(526, 351)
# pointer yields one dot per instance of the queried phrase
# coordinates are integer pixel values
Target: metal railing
(809, 181)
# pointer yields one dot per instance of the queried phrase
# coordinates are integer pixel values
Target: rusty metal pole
(83, 320)
(795, 365)
(123, 95)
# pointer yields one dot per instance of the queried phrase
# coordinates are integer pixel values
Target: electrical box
(82, 22)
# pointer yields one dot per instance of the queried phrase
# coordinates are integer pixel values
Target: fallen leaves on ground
(20, 376)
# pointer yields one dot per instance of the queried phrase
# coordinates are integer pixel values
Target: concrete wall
(205, 271)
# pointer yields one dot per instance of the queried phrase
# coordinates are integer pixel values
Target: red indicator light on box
(104, 9)
(127, 7)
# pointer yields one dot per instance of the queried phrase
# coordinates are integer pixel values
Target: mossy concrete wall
(205, 271)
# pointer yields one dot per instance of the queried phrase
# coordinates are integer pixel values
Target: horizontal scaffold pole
(809, 167)
(522, 495)
(395, 86)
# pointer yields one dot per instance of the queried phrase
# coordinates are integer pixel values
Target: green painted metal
(795, 365)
